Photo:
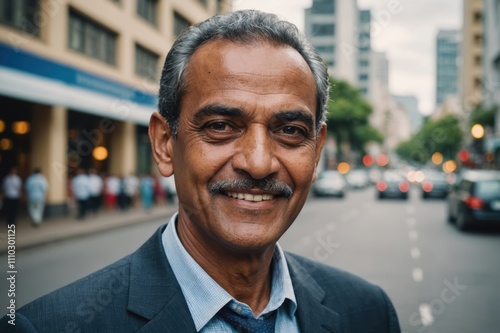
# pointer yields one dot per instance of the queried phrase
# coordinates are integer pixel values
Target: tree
(348, 114)
(484, 117)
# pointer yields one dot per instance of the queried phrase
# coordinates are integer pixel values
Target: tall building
(447, 52)
(79, 82)
(471, 50)
(409, 103)
(491, 61)
(332, 27)
(364, 49)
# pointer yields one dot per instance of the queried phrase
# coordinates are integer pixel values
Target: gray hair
(239, 26)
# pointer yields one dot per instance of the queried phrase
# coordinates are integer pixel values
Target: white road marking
(426, 314)
(413, 234)
(411, 222)
(417, 274)
(415, 253)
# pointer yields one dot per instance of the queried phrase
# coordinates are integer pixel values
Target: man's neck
(245, 276)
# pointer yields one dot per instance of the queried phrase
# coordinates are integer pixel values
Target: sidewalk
(62, 228)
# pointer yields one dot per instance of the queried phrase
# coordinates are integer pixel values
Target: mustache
(268, 185)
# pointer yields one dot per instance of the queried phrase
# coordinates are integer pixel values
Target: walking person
(81, 190)
(11, 187)
(36, 190)
(96, 184)
(147, 192)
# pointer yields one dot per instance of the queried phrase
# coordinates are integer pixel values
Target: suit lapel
(312, 315)
(154, 292)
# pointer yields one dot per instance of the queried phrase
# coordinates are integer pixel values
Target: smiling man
(241, 126)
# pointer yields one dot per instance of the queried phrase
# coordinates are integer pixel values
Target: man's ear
(320, 142)
(161, 139)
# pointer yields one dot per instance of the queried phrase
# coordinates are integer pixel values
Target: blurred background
(409, 189)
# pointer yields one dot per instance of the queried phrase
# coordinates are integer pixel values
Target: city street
(440, 279)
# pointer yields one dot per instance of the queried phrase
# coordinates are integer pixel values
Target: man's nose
(256, 153)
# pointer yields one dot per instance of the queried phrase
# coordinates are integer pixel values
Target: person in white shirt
(96, 184)
(36, 190)
(130, 189)
(111, 191)
(81, 191)
(11, 187)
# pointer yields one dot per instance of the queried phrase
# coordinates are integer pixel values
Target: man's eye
(218, 126)
(292, 130)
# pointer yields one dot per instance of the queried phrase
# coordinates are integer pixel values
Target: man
(95, 186)
(80, 186)
(242, 103)
(36, 189)
(11, 187)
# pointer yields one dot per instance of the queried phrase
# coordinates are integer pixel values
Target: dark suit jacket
(140, 293)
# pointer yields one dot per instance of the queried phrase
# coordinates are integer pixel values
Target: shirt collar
(204, 296)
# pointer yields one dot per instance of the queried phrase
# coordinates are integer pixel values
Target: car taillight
(427, 186)
(474, 203)
(404, 186)
(381, 186)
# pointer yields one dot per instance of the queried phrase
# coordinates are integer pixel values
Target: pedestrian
(168, 185)
(12, 186)
(147, 192)
(130, 189)
(112, 189)
(36, 189)
(96, 186)
(80, 186)
(241, 125)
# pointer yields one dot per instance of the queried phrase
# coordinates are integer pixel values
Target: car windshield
(488, 189)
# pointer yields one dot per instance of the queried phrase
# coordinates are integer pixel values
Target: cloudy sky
(408, 37)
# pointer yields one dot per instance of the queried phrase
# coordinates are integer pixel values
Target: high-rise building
(332, 27)
(410, 104)
(447, 52)
(364, 49)
(79, 81)
(471, 51)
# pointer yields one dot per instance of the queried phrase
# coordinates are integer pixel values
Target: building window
(323, 29)
(477, 40)
(363, 77)
(147, 10)
(21, 14)
(180, 24)
(91, 38)
(146, 63)
(330, 63)
(477, 17)
(325, 48)
(323, 7)
(363, 63)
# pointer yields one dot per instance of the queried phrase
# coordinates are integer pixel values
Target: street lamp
(477, 131)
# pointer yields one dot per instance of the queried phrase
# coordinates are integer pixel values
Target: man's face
(248, 113)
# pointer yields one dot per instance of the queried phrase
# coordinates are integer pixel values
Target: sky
(407, 36)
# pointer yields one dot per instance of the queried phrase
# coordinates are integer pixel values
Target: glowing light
(21, 127)
(437, 158)
(367, 160)
(6, 144)
(449, 166)
(2, 126)
(100, 153)
(419, 176)
(463, 155)
(477, 131)
(382, 160)
(343, 168)
(411, 176)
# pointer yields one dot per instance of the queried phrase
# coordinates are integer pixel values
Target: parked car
(435, 184)
(357, 178)
(475, 199)
(330, 183)
(392, 184)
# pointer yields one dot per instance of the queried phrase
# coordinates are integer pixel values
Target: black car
(392, 184)
(435, 185)
(475, 199)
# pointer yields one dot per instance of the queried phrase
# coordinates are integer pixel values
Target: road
(440, 279)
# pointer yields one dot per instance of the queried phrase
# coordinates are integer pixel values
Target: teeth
(250, 197)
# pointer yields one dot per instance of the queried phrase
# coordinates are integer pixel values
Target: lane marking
(426, 314)
(417, 274)
(415, 253)
(413, 234)
(411, 222)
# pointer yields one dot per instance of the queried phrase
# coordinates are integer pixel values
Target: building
(364, 49)
(410, 104)
(447, 53)
(332, 28)
(471, 51)
(79, 82)
(491, 63)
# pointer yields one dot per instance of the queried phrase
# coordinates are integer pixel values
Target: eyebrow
(217, 110)
(296, 116)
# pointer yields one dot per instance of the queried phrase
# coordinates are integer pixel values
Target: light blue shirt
(36, 186)
(205, 297)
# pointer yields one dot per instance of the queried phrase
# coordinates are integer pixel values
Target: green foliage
(348, 114)
(482, 116)
(443, 135)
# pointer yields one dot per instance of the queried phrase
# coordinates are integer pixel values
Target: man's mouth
(250, 197)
